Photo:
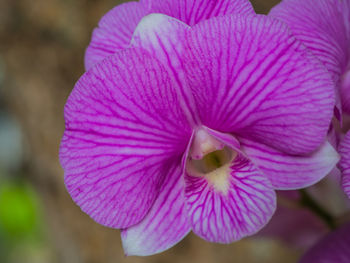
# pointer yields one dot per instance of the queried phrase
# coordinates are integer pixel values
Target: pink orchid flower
(324, 27)
(116, 28)
(194, 128)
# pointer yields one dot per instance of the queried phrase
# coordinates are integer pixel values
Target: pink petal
(324, 27)
(226, 217)
(344, 165)
(124, 126)
(288, 172)
(345, 90)
(117, 26)
(165, 224)
(333, 136)
(294, 225)
(259, 83)
(321, 25)
(164, 38)
(114, 31)
(193, 11)
(332, 248)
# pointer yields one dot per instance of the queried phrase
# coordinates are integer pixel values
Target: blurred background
(42, 45)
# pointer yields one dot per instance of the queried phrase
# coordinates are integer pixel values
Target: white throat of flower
(211, 159)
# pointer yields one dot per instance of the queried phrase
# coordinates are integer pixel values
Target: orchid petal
(242, 210)
(293, 224)
(165, 224)
(332, 248)
(155, 26)
(333, 136)
(117, 26)
(124, 125)
(259, 83)
(345, 90)
(323, 26)
(193, 11)
(164, 38)
(288, 172)
(344, 150)
(114, 31)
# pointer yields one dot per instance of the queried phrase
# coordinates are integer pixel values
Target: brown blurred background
(42, 45)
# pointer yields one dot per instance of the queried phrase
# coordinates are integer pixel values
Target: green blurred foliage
(18, 210)
(22, 226)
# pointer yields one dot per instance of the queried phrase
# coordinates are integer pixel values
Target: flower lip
(207, 153)
(214, 167)
(211, 159)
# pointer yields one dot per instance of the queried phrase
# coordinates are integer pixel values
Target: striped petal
(344, 150)
(288, 172)
(114, 31)
(124, 126)
(165, 224)
(324, 27)
(193, 11)
(259, 83)
(241, 210)
(164, 37)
